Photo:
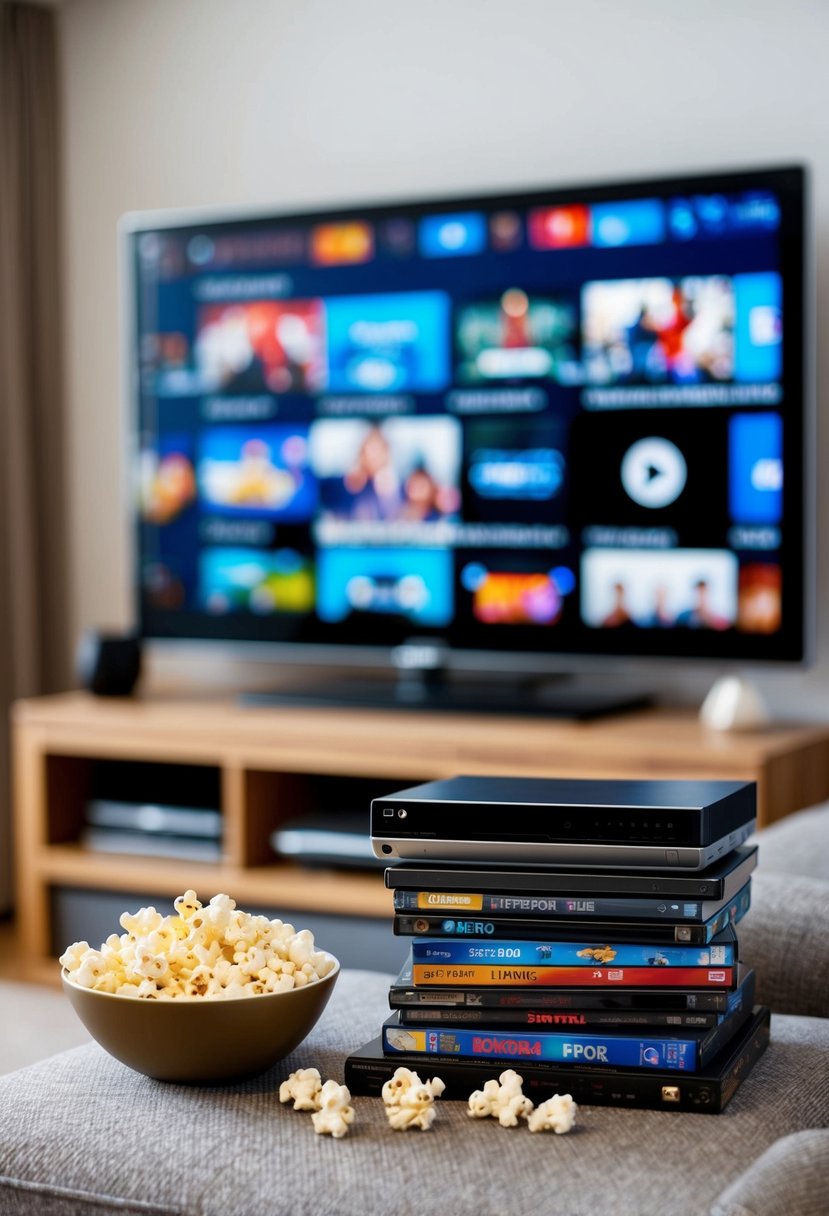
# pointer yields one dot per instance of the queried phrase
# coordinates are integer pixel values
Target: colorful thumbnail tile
(252, 580)
(640, 331)
(399, 469)
(634, 222)
(452, 236)
(515, 337)
(755, 468)
(388, 343)
(260, 472)
(759, 334)
(559, 227)
(167, 479)
(342, 244)
(412, 584)
(659, 589)
(274, 346)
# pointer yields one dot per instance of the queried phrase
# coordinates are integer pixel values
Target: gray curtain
(32, 501)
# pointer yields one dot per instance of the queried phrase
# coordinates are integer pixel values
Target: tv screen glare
(566, 422)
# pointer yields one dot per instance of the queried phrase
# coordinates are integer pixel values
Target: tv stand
(271, 765)
(433, 688)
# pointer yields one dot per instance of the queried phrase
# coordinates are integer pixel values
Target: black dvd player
(668, 825)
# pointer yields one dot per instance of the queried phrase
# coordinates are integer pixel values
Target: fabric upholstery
(797, 844)
(784, 937)
(82, 1134)
(791, 1176)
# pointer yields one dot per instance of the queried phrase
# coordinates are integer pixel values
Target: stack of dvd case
(619, 988)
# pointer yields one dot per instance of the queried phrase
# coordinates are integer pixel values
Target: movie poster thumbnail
(695, 330)
(264, 583)
(760, 597)
(262, 346)
(262, 471)
(399, 469)
(659, 589)
(166, 479)
(516, 336)
(513, 589)
(411, 585)
(395, 342)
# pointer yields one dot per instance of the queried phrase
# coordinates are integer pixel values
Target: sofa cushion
(791, 1176)
(82, 1134)
(784, 937)
(797, 844)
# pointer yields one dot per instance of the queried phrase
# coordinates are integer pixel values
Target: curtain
(32, 502)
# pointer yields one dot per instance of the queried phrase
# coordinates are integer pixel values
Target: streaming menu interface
(517, 424)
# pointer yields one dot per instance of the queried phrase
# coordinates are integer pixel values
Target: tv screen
(567, 422)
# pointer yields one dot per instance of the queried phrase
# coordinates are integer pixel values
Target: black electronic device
(322, 839)
(108, 664)
(669, 825)
(479, 437)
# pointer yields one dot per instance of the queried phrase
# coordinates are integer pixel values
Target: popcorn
(409, 1101)
(335, 1112)
(503, 1100)
(400, 1081)
(304, 1086)
(214, 951)
(557, 1114)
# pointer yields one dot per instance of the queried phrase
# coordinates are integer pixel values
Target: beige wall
(197, 102)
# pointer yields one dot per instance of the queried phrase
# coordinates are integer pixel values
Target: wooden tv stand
(270, 763)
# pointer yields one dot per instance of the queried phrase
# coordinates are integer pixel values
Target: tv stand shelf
(268, 760)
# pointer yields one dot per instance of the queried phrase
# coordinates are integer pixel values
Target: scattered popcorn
(402, 1079)
(215, 951)
(557, 1114)
(503, 1100)
(304, 1086)
(335, 1111)
(409, 1101)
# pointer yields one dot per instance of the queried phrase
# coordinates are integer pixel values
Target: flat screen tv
(515, 430)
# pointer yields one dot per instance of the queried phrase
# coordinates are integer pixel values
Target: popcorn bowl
(197, 1040)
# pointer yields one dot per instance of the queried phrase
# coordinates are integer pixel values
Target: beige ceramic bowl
(199, 1040)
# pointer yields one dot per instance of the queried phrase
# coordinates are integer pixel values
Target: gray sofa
(81, 1134)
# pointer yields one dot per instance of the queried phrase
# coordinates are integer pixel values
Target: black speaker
(109, 664)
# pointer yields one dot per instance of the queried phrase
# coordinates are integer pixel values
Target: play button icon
(654, 472)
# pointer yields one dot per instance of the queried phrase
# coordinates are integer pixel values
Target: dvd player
(668, 825)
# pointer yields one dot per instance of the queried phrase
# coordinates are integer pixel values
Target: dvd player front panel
(672, 825)
(597, 856)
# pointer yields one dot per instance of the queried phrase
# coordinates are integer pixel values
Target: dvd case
(508, 975)
(707, 1091)
(685, 1051)
(403, 993)
(721, 952)
(556, 907)
(537, 1016)
(563, 928)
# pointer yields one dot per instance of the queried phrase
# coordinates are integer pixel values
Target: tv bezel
(421, 649)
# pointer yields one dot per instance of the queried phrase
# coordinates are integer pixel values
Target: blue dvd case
(721, 952)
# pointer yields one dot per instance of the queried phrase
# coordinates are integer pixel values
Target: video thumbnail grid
(677, 332)
(428, 519)
(524, 448)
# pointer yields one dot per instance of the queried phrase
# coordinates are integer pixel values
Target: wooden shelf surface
(658, 742)
(282, 885)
